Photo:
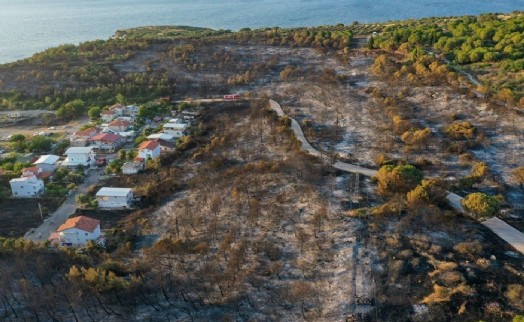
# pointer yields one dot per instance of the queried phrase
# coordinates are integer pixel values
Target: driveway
(68, 208)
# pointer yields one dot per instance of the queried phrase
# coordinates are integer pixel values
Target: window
(86, 234)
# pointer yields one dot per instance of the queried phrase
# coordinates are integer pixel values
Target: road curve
(511, 235)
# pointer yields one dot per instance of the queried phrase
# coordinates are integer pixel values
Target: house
(178, 130)
(189, 115)
(114, 197)
(77, 231)
(119, 125)
(107, 115)
(84, 156)
(166, 146)
(26, 187)
(132, 167)
(107, 142)
(131, 110)
(36, 171)
(128, 136)
(166, 141)
(118, 109)
(162, 136)
(48, 163)
(149, 150)
(81, 138)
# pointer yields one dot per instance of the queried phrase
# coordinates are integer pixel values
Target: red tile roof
(106, 137)
(107, 112)
(119, 106)
(31, 169)
(86, 132)
(81, 222)
(120, 123)
(149, 145)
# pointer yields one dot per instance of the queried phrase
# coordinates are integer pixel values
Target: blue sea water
(29, 26)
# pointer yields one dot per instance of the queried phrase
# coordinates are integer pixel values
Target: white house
(132, 167)
(114, 197)
(162, 136)
(149, 150)
(26, 187)
(176, 129)
(76, 156)
(77, 231)
(131, 110)
(47, 163)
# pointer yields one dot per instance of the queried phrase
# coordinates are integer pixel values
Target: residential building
(114, 197)
(81, 138)
(77, 231)
(107, 142)
(36, 171)
(178, 130)
(47, 163)
(133, 167)
(118, 109)
(84, 156)
(166, 146)
(149, 150)
(119, 125)
(131, 110)
(26, 187)
(162, 136)
(128, 136)
(107, 115)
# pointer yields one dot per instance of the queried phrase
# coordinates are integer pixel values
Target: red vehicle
(232, 97)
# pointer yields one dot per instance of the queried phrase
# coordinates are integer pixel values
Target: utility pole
(40, 208)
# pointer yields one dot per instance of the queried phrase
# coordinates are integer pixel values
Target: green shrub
(481, 205)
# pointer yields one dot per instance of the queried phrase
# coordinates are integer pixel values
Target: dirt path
(511, 235)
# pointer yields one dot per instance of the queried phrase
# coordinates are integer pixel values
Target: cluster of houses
(113, 133)
(86, 147)
(31, 183)
(77, 231)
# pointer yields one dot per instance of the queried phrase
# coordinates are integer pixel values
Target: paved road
(68, 208)
(306, 146)
(455, 201)
(511, 235)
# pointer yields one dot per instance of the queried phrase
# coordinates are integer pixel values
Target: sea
(29, 26)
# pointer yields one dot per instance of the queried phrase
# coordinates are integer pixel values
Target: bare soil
(20, 215)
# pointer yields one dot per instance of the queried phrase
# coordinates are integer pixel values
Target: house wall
(46, 167)
(78, 237)
(78, 142)
(177, 134)
(26, 189)
(114, 202)
(82, 158)
(145, 153)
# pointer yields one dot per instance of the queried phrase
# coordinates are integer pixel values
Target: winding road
(511, 235)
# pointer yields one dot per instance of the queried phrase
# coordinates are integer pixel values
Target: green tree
(94, 113)
(481, 205)
(398, 179)
(120, 99)
(17, 138)
(40, 144)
